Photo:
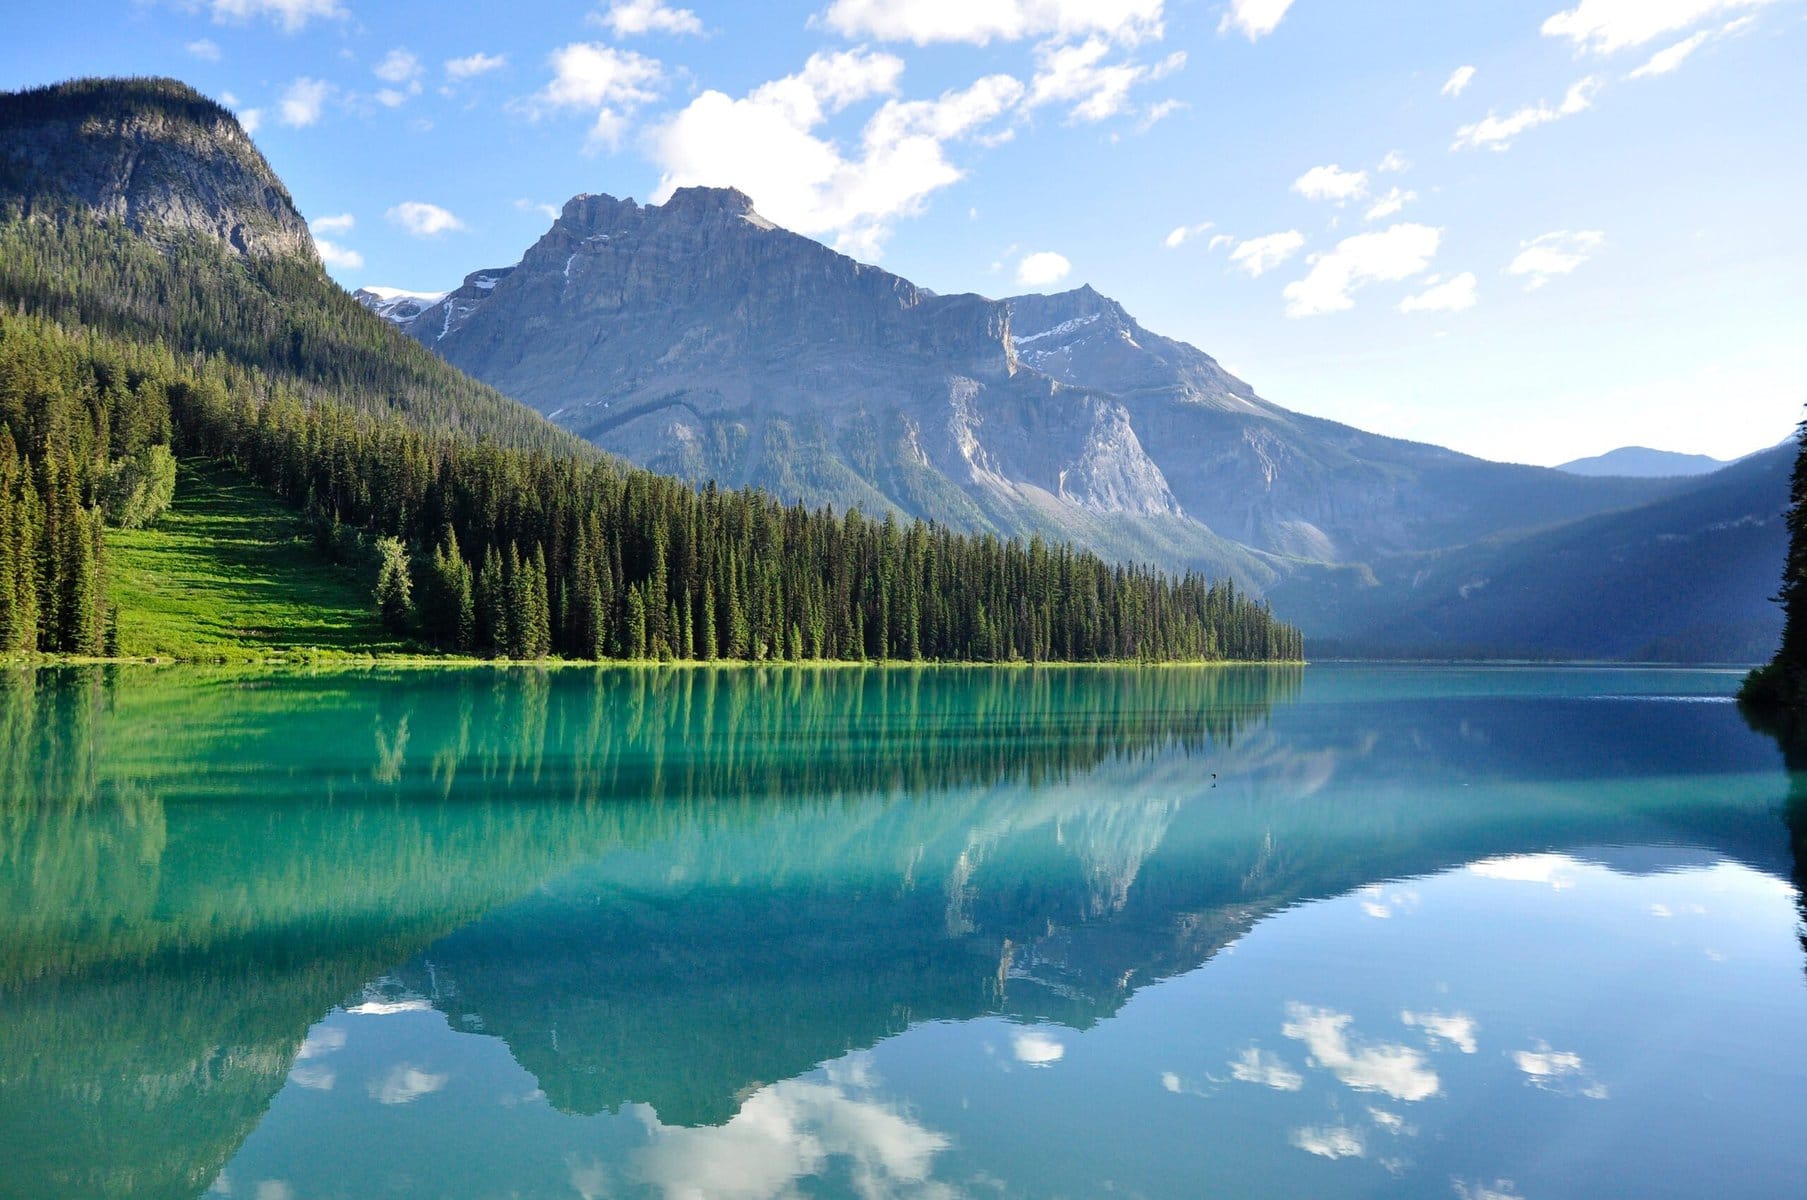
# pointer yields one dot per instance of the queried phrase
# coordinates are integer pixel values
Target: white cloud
(250, 119)
(1450, 295)
(335, 255)
(980, 21)
(1558, 1071)
(291, 15)
(1160, 112)
(1500, 1189)
(343, 223)
(589, 75)
(398, 66)
(1036, 1048)
(1257, 256)
(1399, 252)
(630, 18)
(1456, 1029)
(302, 104)
(424, 220)
(1331, 183)
(473, 65)
(766, 144)
(1255, 1065)
(1335, 1141)
(1219, 241)
(549, 211)
(205, 49)
(787, 1133)
(1255, 18)
(1553, 870)
(1458, 81)
(1390, 204)
(1397, 1071)
(405, 1084)
(1394, 161)
(1042, 268)
(1497, 133)
(1076, 74)
(1665, 61)
(1604, 26)
(1185, 233)
(1540, 260)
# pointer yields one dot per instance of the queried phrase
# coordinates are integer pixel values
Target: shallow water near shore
(1335, 931)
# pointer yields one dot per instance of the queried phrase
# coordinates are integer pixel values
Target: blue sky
(1526, 229)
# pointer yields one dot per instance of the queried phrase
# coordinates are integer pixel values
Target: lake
(1473, 933)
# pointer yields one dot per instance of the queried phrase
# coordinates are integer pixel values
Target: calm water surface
(1170, 933)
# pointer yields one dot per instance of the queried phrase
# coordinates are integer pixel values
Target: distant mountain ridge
(697, 338)
(1644, 463)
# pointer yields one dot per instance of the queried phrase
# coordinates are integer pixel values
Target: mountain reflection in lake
(933, 932)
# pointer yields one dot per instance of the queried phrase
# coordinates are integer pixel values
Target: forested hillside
(127, 341)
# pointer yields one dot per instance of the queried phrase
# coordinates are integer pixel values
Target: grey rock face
(152, 153)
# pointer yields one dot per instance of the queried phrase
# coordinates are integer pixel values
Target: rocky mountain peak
(153, 153)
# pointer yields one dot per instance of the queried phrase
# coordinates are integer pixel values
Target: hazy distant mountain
(1687, 578)
(697, 338)
(1643, 463)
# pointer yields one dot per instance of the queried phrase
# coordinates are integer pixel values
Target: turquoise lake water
(1473, 933)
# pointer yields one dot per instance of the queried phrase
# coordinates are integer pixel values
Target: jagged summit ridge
(153, 153)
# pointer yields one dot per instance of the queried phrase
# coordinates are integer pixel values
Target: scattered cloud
(1255, 19)
(1394, 161)
(1331, 183)
(398, 66)
(1335, 1141)
(473, 65)
(1255, 1065)
(1185, 233)
(1397, 253)
(335, 255)
(1219, 241)
(1036, 1048)
(927, 21)
(1499, 1189)
(205, 49)
(1540, 260)
(424, 220)
(1397, 1071)
(609, 82)
(1042, 269)
(549, 211)
(1605, 26)
(1257, 256)
(767, 144)
(1077, 75)
(1454, 1029)
(1390, 204)
(290, 15)
(405, 1084)
(1458, 81)
(343, 223)
(1558, 1071)
(1449, 295)
(1498, 133)
(1157, 113)
(632, 18)
(303, 102)
(1665, 61)
(1552, 870)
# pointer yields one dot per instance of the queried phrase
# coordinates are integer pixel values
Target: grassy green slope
(228, 573)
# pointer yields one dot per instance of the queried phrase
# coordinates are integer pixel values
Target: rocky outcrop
(153, 153)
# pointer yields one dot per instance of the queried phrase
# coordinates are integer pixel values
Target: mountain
(699, 339)
(1643, 463)
(140, 209)
(1687, 578)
